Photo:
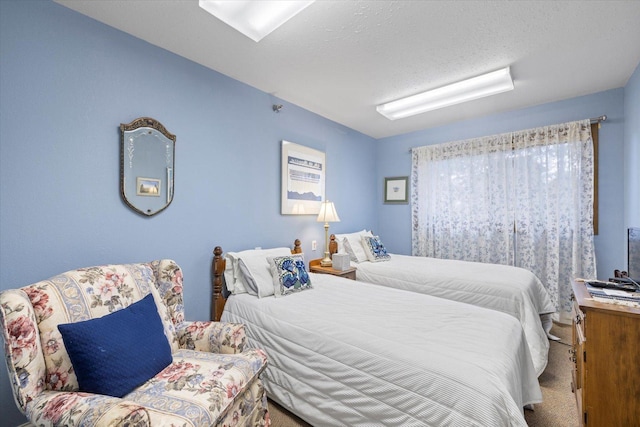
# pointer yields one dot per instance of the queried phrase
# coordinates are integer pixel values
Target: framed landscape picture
(303, 178)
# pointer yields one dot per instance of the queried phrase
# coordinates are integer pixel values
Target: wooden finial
(217, 270)
(333, 245)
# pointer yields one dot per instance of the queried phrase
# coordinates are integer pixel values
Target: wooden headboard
(217, 271)
(219, 263)
(333, 245)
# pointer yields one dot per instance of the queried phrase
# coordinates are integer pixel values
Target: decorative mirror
(147, 152)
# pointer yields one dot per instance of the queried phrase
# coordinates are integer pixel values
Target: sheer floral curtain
(523, 198)
(554, 206)
(460, 201)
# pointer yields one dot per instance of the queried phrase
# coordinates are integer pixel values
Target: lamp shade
(328, 212)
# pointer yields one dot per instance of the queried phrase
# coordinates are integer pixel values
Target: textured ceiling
(340, 59)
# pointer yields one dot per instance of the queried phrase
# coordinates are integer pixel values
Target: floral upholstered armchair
(109, 346)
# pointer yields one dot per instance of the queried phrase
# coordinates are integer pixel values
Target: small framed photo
(396, 190)
(147, 187)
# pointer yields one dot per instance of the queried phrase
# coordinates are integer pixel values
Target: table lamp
(327, 214)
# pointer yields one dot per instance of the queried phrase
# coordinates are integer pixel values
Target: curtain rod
(593, 120)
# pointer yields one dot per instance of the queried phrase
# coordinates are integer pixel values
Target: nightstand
(315, 267)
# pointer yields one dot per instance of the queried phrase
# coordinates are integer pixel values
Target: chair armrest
(214, 337)
(70, 408)
(22, 346)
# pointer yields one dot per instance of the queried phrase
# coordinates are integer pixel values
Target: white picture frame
(148, 187)
(303, 179)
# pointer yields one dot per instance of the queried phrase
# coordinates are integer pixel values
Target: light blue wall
(632, 150)
(66, 84)
(394, 221)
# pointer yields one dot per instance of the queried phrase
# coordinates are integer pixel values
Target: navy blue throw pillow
(114, 354)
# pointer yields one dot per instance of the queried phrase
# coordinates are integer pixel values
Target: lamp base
(326, 261)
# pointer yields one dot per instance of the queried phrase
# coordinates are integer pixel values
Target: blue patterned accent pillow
(375, 249)
(114, 354)
(289, 274)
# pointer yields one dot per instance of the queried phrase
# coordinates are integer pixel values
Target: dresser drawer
(578, 323)
(577, 357)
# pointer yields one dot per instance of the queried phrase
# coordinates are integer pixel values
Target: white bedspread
(512, 290)
(347, 353)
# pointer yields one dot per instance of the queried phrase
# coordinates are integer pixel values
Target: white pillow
(340, 239)
(234, 277)
(232, 274)
(253, 270)
(340, 242)
(353, 245)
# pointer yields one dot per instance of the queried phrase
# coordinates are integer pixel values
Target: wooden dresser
(606, 356)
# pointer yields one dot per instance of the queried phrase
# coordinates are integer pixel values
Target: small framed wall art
(147, 187)
(396, 190)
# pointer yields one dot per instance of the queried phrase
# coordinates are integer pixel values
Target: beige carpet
(557, 410)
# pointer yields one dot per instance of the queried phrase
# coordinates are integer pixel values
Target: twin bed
(512, 290)
(351, 353)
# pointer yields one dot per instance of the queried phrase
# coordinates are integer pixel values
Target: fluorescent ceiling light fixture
(254, 19)
(456, 93)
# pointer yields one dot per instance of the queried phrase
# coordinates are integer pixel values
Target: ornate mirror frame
(147, 160)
